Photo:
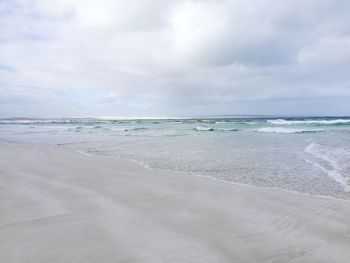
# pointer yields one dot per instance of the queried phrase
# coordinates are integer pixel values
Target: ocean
(305, 155)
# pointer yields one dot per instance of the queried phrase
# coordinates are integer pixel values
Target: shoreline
(115, 210)
(146, 166)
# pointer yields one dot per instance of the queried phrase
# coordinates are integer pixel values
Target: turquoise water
(307, 155)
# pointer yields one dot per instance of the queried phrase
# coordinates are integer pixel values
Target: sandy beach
(58, 205)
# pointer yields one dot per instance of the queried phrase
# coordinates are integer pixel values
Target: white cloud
(160, 57)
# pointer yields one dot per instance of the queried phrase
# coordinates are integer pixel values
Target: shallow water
(308, 155)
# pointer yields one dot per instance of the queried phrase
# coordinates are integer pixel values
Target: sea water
(306, 155)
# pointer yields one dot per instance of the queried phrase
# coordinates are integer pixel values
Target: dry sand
(60, 206)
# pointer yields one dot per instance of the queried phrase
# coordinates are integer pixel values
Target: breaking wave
(287, 130)
(202, 128)
(317, 122)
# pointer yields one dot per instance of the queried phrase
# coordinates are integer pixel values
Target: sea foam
(332, 169)
(299, 122)
(287, 130)
(202, 128)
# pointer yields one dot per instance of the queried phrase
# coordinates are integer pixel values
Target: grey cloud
(163, 57)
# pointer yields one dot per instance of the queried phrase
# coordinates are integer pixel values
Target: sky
(77, 58)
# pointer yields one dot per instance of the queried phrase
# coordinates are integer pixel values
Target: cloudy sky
(174, 58)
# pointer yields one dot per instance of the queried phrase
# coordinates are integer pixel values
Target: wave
(247, 122)
(201, 128)
(287, 130)
(319, 122)
(226, 129)
(118, 129)
(46, 122)
(332, 169)
(221, 122)
(29, 122)
(207, 121)
(139, 128)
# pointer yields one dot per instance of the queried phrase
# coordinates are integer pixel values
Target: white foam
(287, 130)
(202, 128)
(210, 177)
(296, 122)
(227, 129)
(334, 170)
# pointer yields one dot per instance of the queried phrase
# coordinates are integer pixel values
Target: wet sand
(57, 205)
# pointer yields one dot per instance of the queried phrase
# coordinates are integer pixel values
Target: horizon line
(223, 116)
